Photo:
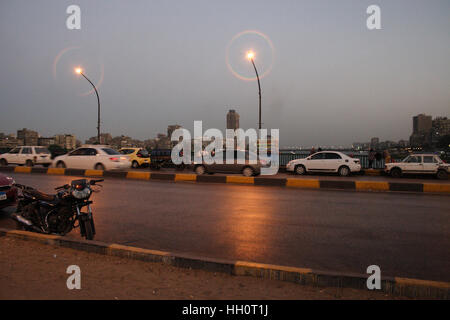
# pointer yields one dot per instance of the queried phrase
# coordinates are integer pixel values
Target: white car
(419, 164)
(98, 157)
(27, 155)
(325, 161)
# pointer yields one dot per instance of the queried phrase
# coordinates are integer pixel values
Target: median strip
(368, 186)
(415, 288)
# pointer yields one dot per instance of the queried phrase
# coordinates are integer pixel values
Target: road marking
(138, 175)
(56, 170)
(185, 177)
(238, 179)
(97, 173)
(303, 183)
(372, 185)
(22, 169)
(424, 283)
(434, 187)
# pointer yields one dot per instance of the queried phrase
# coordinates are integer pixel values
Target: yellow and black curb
(413, 288)
(357, 185)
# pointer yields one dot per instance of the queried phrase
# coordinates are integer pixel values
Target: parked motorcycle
(60, 213)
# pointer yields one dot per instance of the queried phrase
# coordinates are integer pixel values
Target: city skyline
(332, 81)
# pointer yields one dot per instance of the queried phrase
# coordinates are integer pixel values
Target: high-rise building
(422, 124)
(29, 137)
(232, 119)
(421, 136)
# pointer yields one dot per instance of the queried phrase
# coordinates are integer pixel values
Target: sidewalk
(30, 270)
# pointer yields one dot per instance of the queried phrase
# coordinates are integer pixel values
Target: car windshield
(126, 151)
(110, 151)
(42, 151)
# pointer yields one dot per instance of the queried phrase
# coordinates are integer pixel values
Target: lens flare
(69, 49)
(250, 54)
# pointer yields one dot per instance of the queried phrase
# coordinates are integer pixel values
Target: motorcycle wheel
(89, 234)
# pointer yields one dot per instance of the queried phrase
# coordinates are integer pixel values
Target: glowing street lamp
(80, 71)
(251, 56)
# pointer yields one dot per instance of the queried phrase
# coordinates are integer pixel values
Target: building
(232, 119)
(440, 127)
(422, 127)
(66, 141)
(422, 124)
(45, 142)
(29, 137)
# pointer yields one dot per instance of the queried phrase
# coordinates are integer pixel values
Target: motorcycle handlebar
(66, 186)
(93, 182)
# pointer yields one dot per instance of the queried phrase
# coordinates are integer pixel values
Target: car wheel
(396, 173)
(3, 163)
(200, 170)
(99, 166)
(300, 169)
(61, 165)
(29, 163)
(344, 171)
(442, 175)
(135, 164)
(248, 172)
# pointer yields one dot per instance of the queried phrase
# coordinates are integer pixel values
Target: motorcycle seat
(40, 195)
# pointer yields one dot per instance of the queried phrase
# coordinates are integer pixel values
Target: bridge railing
(286, 156)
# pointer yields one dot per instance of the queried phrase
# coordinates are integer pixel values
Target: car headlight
(81, 194)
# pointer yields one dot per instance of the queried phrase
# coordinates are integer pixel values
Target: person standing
(371, 157)
(312, 151)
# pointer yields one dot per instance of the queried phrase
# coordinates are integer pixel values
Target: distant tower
(232, 120)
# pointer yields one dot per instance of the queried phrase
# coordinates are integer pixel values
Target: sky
(328, 79)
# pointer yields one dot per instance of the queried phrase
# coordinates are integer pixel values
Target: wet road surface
(405, 234)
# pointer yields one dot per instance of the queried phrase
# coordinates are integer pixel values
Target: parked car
(419, 164)
(247, 168)
(8, 193)
(162, 158)
(27, 155)
(98, 157)
(325, 161)
(138, 157)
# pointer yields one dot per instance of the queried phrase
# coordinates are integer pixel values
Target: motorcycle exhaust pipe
(25, 221)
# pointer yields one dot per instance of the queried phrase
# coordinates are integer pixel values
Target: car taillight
(114, 159)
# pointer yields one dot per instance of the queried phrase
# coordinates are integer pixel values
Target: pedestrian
(320, 149)
(312, 151)
(387, 156)
(371, 157)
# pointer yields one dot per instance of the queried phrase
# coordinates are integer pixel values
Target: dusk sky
(331, 80)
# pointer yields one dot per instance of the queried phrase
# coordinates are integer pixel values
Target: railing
(286, 156)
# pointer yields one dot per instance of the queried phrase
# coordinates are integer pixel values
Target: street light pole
(250, 56)
(79, 71)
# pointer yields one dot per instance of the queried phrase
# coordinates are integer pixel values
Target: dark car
(8, 193)
(247, 168)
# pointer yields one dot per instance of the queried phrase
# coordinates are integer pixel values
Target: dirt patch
(30, 270)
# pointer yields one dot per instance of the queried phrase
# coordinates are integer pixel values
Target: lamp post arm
(259, 91)
(98, 104)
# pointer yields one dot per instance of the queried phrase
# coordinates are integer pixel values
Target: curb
(413, 288)
(368, 186)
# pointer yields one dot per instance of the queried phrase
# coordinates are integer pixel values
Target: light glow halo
(227, 55)
(68, 49)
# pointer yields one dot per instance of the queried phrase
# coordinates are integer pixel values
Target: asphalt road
(406, 235)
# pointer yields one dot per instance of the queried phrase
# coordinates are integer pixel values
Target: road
(406, 235)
